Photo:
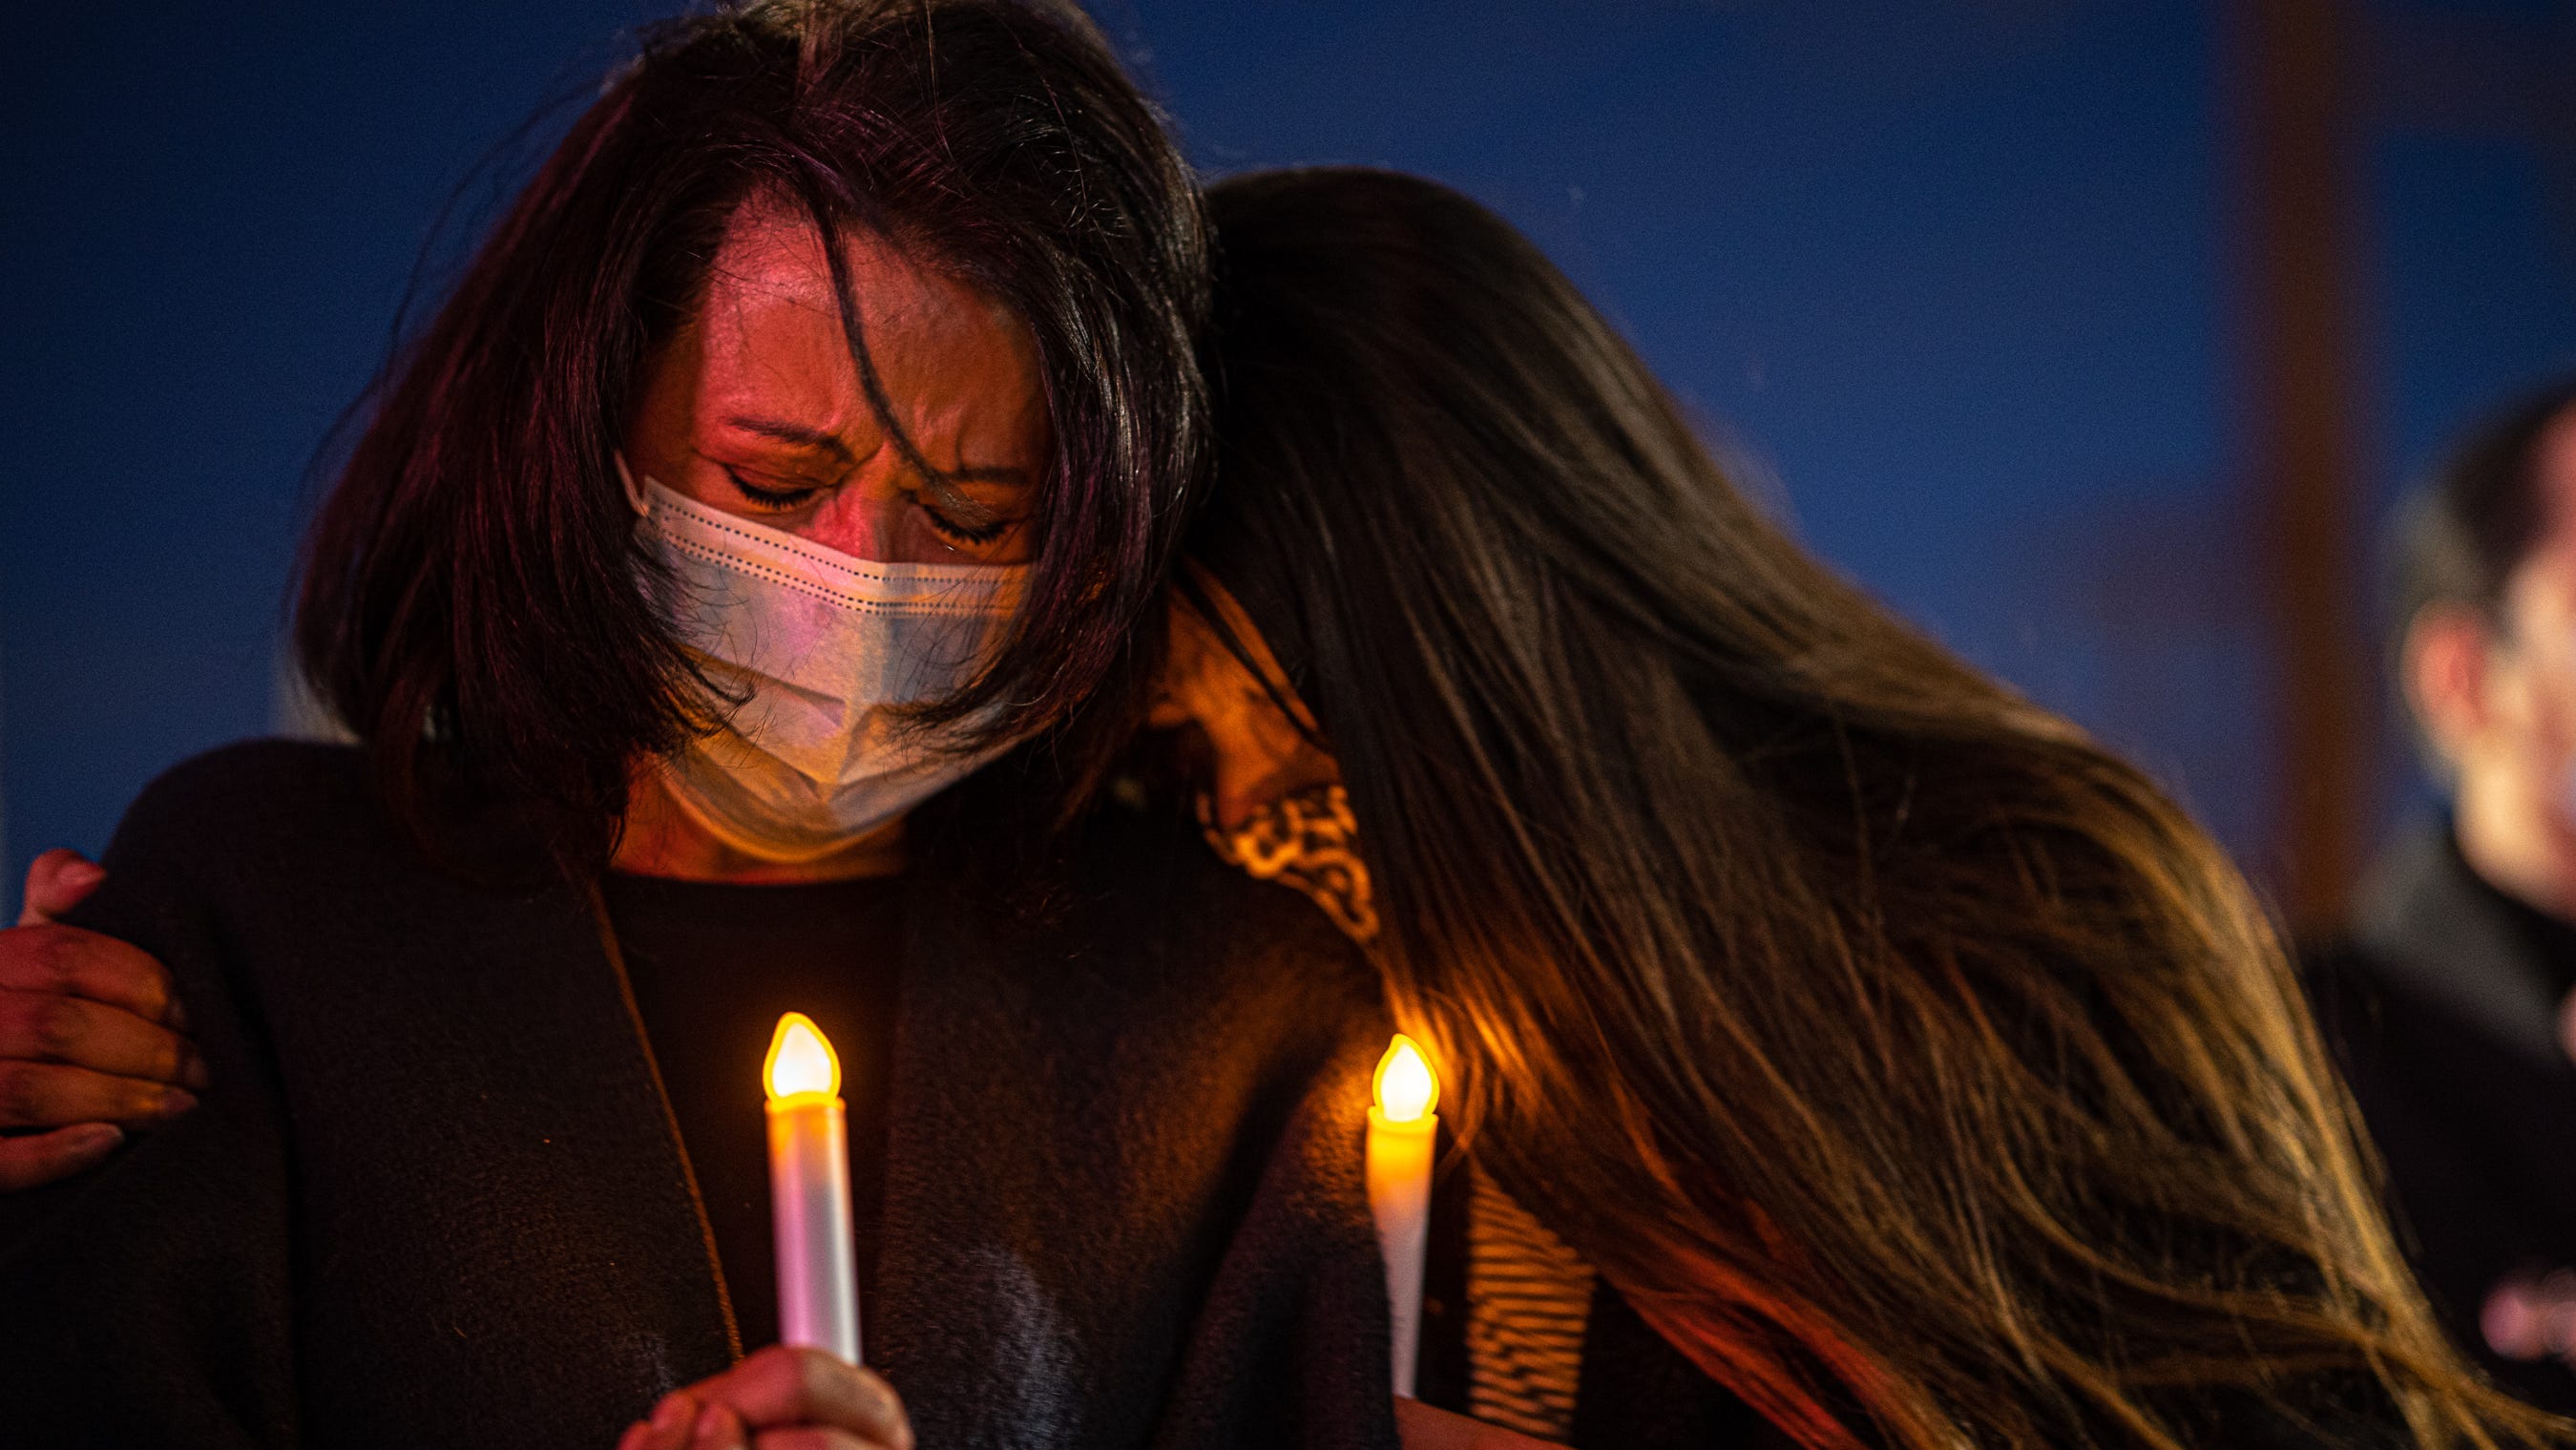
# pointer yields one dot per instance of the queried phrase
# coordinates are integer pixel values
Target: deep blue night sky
(1955, 277)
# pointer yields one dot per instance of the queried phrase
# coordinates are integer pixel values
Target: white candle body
(1398, 1167)
(809, 1199)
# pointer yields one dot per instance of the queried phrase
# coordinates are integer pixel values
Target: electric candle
(1401, 1130)
(809, 1191)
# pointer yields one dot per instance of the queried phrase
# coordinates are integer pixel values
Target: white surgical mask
(823, 649)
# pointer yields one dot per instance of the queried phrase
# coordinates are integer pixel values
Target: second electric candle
(1402, 1130)
(809, 1191)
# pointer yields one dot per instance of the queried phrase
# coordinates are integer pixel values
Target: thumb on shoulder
(57, 881)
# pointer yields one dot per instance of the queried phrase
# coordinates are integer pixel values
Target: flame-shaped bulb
(1405, 1086)
(801, 1060)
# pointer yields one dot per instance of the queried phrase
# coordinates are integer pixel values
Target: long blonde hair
(1908, 1060)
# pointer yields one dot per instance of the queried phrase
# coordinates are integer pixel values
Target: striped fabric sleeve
(1529, 1297)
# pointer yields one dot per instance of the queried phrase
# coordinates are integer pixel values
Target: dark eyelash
(941, 524)
(771, 497)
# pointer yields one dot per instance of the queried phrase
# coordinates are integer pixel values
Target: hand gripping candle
(1401, 1131)
(809, 1191)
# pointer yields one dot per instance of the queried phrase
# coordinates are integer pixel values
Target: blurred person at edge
(2448, 996)
(834, 379)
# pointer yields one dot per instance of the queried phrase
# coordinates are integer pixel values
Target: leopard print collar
(1306, 841)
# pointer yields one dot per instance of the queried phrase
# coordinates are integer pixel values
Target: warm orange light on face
(1405, 1088)
(801, 1060)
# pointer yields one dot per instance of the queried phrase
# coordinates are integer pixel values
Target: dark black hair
(1908, 1060)
(2462, 536)
(470, 598)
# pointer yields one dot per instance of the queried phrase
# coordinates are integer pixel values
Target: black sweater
(713, 964)
(2442, 1004)
(433, 1196)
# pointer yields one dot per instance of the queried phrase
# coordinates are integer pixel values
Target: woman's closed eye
(960, 519)
(953, 516)
(778, 495)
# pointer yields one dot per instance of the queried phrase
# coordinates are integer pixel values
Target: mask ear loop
(634, 491)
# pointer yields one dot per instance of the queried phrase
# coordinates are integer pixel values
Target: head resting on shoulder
(1908, 1060)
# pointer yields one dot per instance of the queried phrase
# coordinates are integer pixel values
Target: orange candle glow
(809, 1191)
(1401, 1131)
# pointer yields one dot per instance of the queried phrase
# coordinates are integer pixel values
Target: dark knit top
(2443, 1005)
(713, 966)
(433, 1197)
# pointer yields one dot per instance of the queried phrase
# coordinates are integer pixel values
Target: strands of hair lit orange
(1908, 1060)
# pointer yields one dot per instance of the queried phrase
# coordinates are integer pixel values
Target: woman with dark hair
(1909, 1062)
(813, 430)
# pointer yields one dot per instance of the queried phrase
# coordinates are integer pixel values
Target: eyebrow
(795, 433)
(804, 437)
(1017, 478)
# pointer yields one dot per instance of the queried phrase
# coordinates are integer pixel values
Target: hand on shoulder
(92, 1039)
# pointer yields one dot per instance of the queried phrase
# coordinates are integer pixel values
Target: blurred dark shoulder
(251, 807)
(2426, 932)
(2440, 1000)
